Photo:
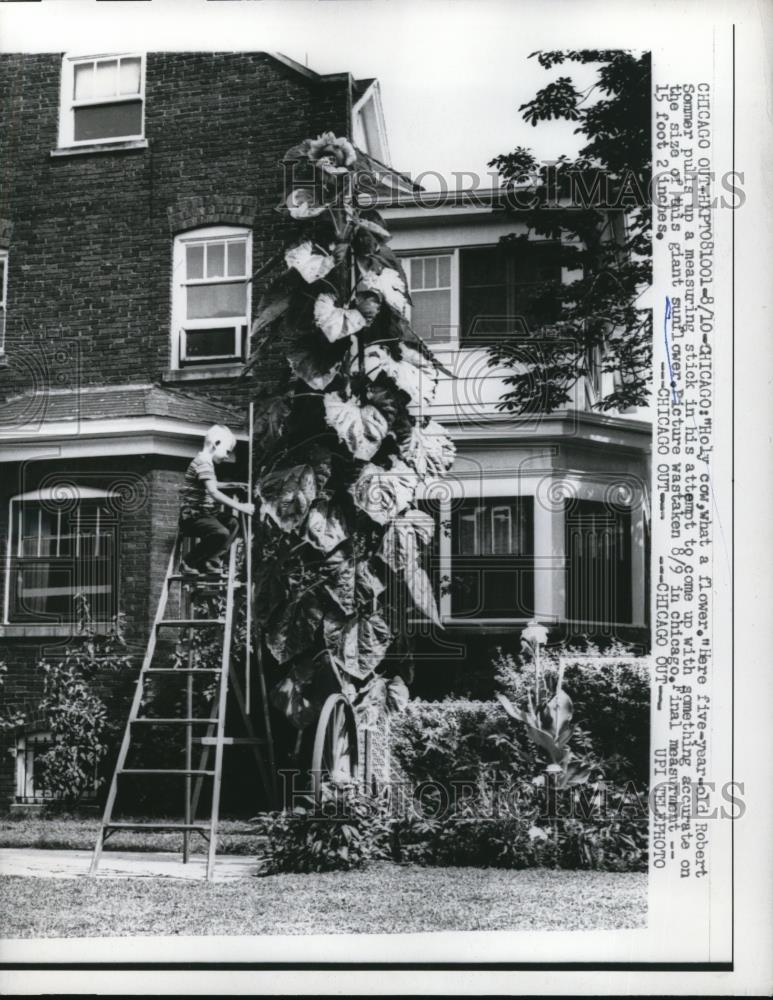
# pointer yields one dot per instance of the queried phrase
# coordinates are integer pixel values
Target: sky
(452, 72)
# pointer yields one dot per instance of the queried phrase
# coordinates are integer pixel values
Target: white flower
(301, 204)
(389, 284)
(334, 321)
(311, 266)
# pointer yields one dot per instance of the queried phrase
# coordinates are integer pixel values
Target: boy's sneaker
(188, 570)
(214, 568)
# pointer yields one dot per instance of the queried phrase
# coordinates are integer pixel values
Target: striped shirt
(195, 501)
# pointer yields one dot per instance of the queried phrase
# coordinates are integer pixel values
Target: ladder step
(187, 721)
(162, 770)
(188, 622)
(229, 741)
(157, 826)
(209, 579)
(183, 670)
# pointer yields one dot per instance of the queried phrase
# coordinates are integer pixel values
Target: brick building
(137, 192)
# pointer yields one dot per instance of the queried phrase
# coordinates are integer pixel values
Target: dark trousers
(215, 533)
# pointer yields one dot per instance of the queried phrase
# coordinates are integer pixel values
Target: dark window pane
(108, 121)
(507, 289)
(492, 562)
(219, 342)
(598, 563)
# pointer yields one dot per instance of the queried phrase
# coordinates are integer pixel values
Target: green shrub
(458, 740)
(83, 720)
(341, 834)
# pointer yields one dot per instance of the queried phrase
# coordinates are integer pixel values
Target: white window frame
(180, 282)
(67, 102)
(15, 538)
(3, 299)
(26, 791)
(406, 256)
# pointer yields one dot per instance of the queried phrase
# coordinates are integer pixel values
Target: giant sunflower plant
(342, 442)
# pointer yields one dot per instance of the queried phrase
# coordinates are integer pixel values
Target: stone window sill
(101, 147)
(203, 373)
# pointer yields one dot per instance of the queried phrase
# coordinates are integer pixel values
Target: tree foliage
(342, 443)
(597, 209)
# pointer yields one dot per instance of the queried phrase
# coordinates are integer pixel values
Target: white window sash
(452, 288)
(213, 235)
(68, 103)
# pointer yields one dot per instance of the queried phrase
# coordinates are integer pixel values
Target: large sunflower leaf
(315, 361)
(288, 697)
(340, 576)
(420, 588)
(325, 527)
(429, 450)
(397, 694)
(294, 629)
(357, 647)
(287, 495)
(274, 302)
(361, 428)
(384, 493)
(402, 537)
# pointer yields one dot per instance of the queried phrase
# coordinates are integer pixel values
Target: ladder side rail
(134, 710)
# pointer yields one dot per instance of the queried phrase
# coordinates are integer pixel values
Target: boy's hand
(247, 508)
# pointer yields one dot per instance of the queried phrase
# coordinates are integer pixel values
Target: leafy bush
(83, 725)
(458, 740)
(339, 835)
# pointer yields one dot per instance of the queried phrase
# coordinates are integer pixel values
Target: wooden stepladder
(214, 737)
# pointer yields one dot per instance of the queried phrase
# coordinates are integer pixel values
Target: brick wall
(91, 251)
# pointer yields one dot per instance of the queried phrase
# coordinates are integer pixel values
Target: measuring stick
(249, 569)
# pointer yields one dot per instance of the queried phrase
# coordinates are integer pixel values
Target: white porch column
(549, 560)
(638, 556)
(444, 552)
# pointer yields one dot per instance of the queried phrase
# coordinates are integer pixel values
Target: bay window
(598, 563)
(507, 289)
(60, 547)
(492, 558)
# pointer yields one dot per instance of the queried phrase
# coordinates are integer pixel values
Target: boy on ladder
(200, 516)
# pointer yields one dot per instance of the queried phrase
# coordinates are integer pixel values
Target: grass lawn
(77, 833)
(385, 898)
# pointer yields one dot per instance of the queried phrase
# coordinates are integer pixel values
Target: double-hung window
(60, 546)
(102, 99)
(3, 295)
(211, 300)
(492, 558)
(430, 285)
